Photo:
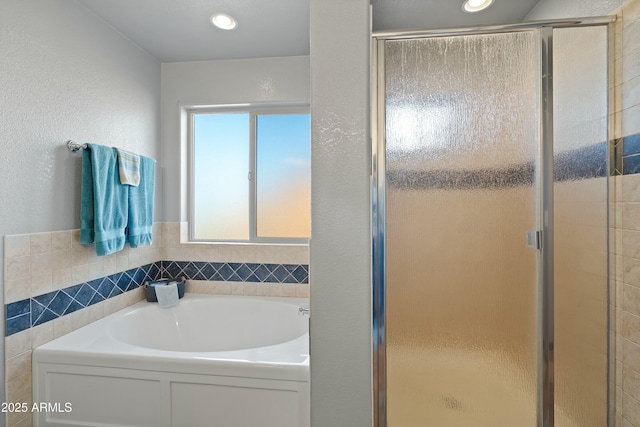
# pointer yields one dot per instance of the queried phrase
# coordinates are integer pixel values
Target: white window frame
(253, 110)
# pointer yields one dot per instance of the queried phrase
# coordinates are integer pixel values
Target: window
(250, 174)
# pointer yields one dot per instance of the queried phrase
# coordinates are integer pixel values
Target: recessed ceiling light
(224, 21)
(476, 5)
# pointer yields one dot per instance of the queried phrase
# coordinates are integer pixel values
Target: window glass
(251, 175)
(221, 170)
(283, 174)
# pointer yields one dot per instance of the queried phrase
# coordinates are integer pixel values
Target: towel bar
(74, 147)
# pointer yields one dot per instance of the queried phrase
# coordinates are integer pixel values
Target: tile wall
(54, 285)
(625, 217)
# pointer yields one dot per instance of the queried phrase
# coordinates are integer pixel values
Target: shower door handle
(534, 239)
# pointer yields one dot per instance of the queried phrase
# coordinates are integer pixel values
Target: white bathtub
(211, 361)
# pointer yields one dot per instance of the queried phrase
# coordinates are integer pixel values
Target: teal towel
(86, 200)
(103, 217)
(140, 227)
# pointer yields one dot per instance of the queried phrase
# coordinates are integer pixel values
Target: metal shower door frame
(544, 179)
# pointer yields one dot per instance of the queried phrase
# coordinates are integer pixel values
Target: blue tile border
(236, 272)
(30, 312)
(631, 145)
(34, 311)
(630, 154)
(631, 164)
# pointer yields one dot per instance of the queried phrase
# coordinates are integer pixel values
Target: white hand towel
(167, 294)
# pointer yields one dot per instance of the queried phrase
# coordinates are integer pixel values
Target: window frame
(254, 110)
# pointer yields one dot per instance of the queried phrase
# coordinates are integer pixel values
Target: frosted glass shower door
(461, 134)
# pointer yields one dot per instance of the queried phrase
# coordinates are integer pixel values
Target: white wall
(214, 83)
(340, 277)
(65, 74)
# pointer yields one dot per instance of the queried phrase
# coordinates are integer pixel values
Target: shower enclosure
(490, 232)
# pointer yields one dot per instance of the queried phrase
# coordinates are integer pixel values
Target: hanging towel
(140, 227)
(104, 216)
(128, 167)
(86, 199)
(167, 295)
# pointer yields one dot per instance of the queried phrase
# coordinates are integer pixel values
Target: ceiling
(174, 31)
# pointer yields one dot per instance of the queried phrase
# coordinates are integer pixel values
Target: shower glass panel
(462, 140)
(580, 212)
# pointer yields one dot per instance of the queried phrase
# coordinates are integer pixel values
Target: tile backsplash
(43, 308)
(39, 309)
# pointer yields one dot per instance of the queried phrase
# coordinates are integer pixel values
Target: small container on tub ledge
(151, 292)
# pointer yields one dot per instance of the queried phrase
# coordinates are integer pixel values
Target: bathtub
(210, 361)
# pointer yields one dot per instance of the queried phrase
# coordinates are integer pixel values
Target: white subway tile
(630, 66)
(122, 262)
(18, 365)
(70, 322)
(631, 271)
(276, 290)
(630, 188)
(630, 12)
(79, 254)
(43, 263)
(631, 327)
(61, 240)
(630, 409)
(96, 270)
(17, 344)
(26, 421)
(41, 334)
(62, 278)
(224, 288)
(40, 242)
(631, 92)
(110, 265)
(114, 304)
(631, 37)
(17, 268)
(631, 216)
(18, 245)
(16, 290)
(19, 389)
(302, 290)
(631, 121)
(289, 290)
(80, 273)
(631, 382)
(41, 284)
(250, 289)
(631, 302)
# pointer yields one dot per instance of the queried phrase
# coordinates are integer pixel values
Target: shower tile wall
(38, 265)
(625, 217)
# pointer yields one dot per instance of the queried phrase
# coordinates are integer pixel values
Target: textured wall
(65, 74)
(557, 9)
(187, 84)
(340, 331)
